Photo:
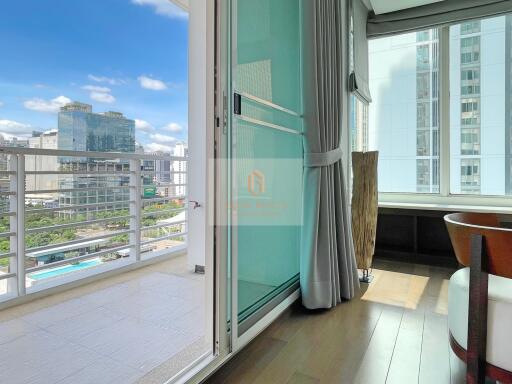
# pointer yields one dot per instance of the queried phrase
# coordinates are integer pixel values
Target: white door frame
(210, 43)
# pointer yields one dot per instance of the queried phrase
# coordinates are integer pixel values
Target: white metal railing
(58, 215)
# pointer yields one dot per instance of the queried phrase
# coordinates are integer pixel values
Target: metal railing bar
(163, 172)
(125, 203)
(268, 125)
(7, 255)
(268, 103)
(7, 173)
(165, 185)
(155, 240)
(77, 224)
(7, 234)
(162, 212)
(78, 241)
(77, 189)
(7, 214)
(7, 276)
(92, 173)
(78, 258)
(163, 225)
(84, 154)
(7, 193)
(158, 199)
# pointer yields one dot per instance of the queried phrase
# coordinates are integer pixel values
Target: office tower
(80, 129)
(427, 112)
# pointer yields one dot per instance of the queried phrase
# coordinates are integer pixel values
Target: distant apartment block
(35, 182)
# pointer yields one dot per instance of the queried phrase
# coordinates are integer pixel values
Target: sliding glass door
(266, 156)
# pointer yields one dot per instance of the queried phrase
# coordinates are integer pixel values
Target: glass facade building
(80, 129)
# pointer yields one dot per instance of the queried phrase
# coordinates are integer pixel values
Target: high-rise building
(39, 182)
(80, 129)
(179, 169)
(427, 112)
(480, 114)
(404, 117)
(4, 166)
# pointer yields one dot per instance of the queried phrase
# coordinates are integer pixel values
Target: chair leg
(477, 319)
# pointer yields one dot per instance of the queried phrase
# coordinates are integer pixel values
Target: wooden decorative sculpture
(364, 209)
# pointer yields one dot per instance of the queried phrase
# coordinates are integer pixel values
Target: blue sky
(122, 55)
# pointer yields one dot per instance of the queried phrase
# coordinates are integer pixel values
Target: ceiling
(183, 4)
(385, 6)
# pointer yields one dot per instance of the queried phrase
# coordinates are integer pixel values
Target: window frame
(445, 199)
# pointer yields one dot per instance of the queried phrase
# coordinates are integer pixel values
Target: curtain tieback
(322, 159)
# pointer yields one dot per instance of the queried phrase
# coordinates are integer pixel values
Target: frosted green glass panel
(267, 150)
(268, 51)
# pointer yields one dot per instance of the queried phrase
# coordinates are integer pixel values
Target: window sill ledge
(447, 207)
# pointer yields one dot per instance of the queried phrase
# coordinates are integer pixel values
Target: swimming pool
(53, 272)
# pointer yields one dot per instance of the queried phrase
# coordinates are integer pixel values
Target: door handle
(196, 204)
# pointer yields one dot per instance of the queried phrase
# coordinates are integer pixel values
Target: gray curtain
(436, 14)
(358, 81)
(328, 271)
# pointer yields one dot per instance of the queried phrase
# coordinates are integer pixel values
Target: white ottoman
(499, 316)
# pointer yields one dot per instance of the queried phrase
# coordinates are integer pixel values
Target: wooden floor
(395, 331)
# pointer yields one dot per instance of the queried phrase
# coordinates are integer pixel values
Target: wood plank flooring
(395, 331)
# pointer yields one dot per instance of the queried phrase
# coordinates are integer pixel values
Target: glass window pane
(404, 114)
(480, 110)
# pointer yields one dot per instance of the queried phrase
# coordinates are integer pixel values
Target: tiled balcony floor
(141, 326)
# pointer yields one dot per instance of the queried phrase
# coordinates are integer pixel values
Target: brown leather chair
(480, 296)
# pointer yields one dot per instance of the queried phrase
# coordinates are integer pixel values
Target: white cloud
(144, 126)
(14, 127)
(164, 7)
(102, 97)
(153, 84)
(96, 88)
(163, 138)
(42, 105)
(108, 80)
(173, 127)
(156, 147)
(100, 94)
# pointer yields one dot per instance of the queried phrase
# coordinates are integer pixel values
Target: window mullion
(444, 110)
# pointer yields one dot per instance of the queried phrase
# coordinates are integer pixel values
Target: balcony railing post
(20, 229)
(135, 209)
(12, 285)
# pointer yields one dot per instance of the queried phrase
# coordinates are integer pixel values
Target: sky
(129, 56)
